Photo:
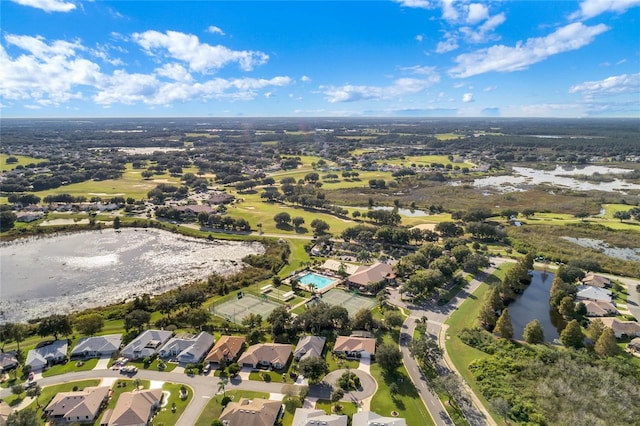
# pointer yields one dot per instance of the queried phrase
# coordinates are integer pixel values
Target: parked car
(129, 370)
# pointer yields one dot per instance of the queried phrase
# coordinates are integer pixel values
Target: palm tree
(221, 384)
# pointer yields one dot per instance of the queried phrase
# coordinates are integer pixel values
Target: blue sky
(405, 58)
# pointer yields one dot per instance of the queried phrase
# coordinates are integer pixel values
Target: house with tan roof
(97, 346)
(596, 281)
(259, 412)
(133, 408)
(8, 361)
(267, 355)
(187, 348)
(313, 417)
(355, 347)
(371, 274)
(335, 266)
(147, 343)
(634, 346)
(77, 407)
(620, 328)
(227, 348)
(5, 412)
(600, 309)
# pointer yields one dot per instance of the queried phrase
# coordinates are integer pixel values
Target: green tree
(282, 218)
(487, 317)
(595, 329)
(313, 368)
(297, 221)
(222, 383)
(533, 332)
(388, 357)
(136, 319)
(393, 319)
(319, 226)
(606, 345)
(572, 336)
(363, 320)
(567, 307)
(55, 325)
(25, 417)
(503, 326)
(89, 324)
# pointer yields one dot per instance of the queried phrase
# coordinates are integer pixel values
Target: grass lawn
(407, 402)
(214, 409)
(348, 408)
(23, 160)
(336, 363)
(271, 376)
(71, 366)
(166, 416)
(169, 366)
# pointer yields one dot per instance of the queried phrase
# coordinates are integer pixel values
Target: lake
(75, 271)
(532, 304)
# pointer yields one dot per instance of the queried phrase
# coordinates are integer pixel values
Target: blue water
(318, 281)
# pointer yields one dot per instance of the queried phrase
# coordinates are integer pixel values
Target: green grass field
(23, 160)
(214, 407)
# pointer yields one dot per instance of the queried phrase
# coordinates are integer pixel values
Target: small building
(8, 361)
(634, 346)
(77, 407)
(187, 348)
(227, 348)
(259, 412)
(309, 346)
(47, 355)
(369, 418)
(313, 417)
(622, 328)
(220, 198)
(266, 355)
(336, 266)
(97, 346)
(594, 280)
(146, 344)
(355, 347)
(596, 294)
(133, 408)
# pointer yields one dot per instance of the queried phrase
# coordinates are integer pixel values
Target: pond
(71, 272)
(603, 247)
(560, 176)
(532, 304)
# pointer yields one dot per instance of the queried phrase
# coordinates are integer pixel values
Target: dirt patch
(425, 226)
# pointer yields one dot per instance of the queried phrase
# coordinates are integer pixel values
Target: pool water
(318, 281)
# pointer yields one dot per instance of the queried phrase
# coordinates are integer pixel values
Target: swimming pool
(318, 281)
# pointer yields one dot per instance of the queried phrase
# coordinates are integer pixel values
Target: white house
(46, 355)
(146, 344)
(597, 294)
(187, 348)
(97, 346)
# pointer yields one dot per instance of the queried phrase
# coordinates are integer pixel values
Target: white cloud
(48, 5)
(305, 79)
(615, 85)
(489, 88)
(477, 12)
(215, 30)
(400, 87)
(421, 70)
(419, 38)
(449, 12)
(592, 8)
(420, 4)
(467, 97)
(506, 59)
(201, 57)
(174, 72)
(449, 43)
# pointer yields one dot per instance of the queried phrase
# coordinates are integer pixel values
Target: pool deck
(336, 281)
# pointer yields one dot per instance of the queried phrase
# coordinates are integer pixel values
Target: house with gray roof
(47, 355)
(187, 348)
(97, 346)
(8, 361)
(148, 343)
(309, 346)
(596, 294)
(313, 417)
(369, 418)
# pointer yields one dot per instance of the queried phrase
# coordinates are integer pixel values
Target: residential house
(259, 412)
(5, 412)
(622, 328)
(133, 408)
(195, 209)
(313, 417)
(146, 344)
(227, 348)
(97, 346)
(596, 281)
(634, 346)
(596, 294)
(369, 418)
(267, 355)
(367, 275)
(47, 355)
(355, 347)
(8, 361)
(77, 407)
(187, 348)
(220, 198)
(309, 346)
(336, 266)
(27, 217)
(600, 309)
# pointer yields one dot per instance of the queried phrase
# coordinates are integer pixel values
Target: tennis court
(235, 310)
(352, 302)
